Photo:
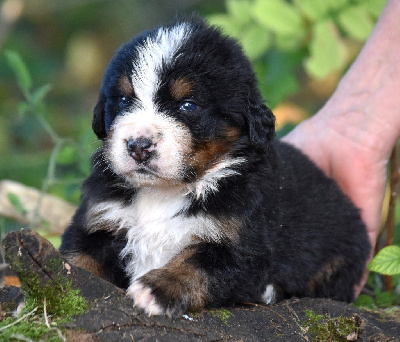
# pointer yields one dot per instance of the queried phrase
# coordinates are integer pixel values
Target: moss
(29, 329)
(222, 314)
(324, 328)
(56, 264)
(61, 299)
(57, 301)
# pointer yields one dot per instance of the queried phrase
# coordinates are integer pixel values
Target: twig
(46, 320)
(19, 319)
(297, 321)
(394, 179)
(21, 338)
(266, 307)
(59, 333)
(390, 222)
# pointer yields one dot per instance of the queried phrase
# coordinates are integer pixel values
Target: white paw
(143, 298)
(269, 295)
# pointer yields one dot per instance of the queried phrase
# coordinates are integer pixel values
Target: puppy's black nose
(140, 149)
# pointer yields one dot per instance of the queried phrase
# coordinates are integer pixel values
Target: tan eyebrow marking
(125, 85)
(180, 88)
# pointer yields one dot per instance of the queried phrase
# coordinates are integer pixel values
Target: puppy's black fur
(251, 218)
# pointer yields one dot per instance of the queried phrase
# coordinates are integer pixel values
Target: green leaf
(255, 41)
(289, 42)
(17, 204)
(20, 69)
(40, 93)
(385, 299)
(327, 51)
(284, 87)
(387, 261)
(314, 10)
(67, 155)
(374, 7)
(239, 9)
(227, 24)
(277, 77)
(279, 16)
(23, 107)
(365, 301)
(356, 21)
(335, 4)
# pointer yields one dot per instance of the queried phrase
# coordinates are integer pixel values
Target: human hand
(352, 136)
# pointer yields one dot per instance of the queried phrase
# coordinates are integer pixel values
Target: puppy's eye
(188, 106)
(124, 102)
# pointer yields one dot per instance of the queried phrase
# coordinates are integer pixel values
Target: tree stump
(112, 317)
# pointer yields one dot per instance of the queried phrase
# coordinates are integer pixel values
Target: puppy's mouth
(149, 173)
(145, 170)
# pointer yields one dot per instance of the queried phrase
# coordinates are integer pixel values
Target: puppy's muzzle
(140, 149)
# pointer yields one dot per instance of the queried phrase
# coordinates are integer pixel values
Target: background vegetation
(53, 53)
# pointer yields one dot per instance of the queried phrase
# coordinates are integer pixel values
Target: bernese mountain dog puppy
(191, 203)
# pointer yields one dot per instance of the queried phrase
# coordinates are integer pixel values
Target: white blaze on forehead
(156, 51)
(170, 137)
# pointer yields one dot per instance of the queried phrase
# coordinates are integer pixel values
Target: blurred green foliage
(65, 151)
(66, 46)
(316, 36)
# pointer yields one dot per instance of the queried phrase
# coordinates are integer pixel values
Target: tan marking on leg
(86, 262)
(180, 281)
(327, 271)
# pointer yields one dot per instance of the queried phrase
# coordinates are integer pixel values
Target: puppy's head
(180, 103)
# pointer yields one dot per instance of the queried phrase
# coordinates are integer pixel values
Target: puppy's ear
(261, 125)
(98, 123)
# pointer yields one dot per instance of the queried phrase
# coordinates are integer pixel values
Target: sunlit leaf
(227, 24)
(279, 16)
(327, 52)
(314, 10)
(335, 4)
(374, 7)
(255, 41)
(387, 261)
(239, 9)
(288, 42)
(20, 69)
(356, 21)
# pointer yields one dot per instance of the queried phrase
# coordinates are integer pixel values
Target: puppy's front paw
(162, 292)
(144, 299)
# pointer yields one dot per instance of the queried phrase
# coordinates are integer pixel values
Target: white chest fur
(157, 230)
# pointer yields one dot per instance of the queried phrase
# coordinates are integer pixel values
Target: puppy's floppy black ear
(261, 125)
(98, 123)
